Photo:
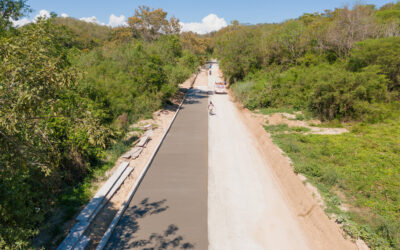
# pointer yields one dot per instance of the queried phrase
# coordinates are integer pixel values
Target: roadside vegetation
(68, 91)
(342, 67)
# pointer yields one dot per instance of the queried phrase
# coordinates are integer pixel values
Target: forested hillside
(68, 91)
(343, 67)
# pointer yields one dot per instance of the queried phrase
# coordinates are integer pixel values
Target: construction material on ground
(145, 138)
(110, 194)
(81, 245)
(74, 235)
(133, 153)
(120, 212)
(91, 209)
(147, 127)
(118, 184)
(103, 191)
(137, 152)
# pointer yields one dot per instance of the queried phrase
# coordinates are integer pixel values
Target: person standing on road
(211, 108)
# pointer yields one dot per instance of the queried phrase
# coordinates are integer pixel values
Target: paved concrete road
(169, 209)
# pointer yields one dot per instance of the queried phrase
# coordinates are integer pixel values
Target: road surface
(246, 209)
(169, 209)
(208, 188)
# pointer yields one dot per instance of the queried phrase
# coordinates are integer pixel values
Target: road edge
(320, 231)
(117, 217)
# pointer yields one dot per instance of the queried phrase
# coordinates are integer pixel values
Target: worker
(211, 108)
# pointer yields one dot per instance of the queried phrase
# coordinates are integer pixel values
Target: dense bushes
(328, 91)
(44, 125)
(61, 108)
(86, 35)
(382, 52)
(325, 63)
(238, 52)
(135, 77)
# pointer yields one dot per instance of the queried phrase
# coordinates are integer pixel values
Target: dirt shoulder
(160, 123)
(322, 232)
(99, 225)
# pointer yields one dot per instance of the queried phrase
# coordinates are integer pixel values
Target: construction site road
(246, 208)
(169, 209)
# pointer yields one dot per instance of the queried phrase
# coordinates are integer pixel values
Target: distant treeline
(68, 91)
(340, 64)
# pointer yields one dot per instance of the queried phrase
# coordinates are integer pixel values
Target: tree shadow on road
(125, 235)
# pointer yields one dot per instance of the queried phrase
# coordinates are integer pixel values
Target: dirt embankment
(322, 232)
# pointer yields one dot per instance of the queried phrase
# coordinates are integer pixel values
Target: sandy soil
(289, 119)
(256, 201)
(246, 206)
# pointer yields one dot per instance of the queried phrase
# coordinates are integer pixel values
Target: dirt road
(246, 209)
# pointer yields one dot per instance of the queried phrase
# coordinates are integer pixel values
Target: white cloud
(115, 21)
(43, 14)
(20, 22)
(91, 19)
(209, 23)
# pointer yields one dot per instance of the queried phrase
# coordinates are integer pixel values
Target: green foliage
(151, 24)
(135, 77)
(341, 94)
(84, 35)
(238, 52)
(11, 10)
(64, 111)
(284, 128)
(382, 52)
(242, 50)
(363, 164)
(47, 133)
(328, 91)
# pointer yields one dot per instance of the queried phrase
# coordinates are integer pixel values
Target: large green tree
(11, 9)
(150, 23)
(45, 126)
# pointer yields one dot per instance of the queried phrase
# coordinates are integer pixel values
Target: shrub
(383, 52)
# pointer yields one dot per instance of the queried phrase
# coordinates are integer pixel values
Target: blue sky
(249, 11)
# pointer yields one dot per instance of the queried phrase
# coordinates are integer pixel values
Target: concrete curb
(119, 214)
(92, 208)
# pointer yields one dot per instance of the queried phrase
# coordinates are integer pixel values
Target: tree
(289, 38)
(86, 35)
(45, 126)
(238, 51)
(194, 43)
(150, 24)
(11, 10)
(349, 27)
(383, 52)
